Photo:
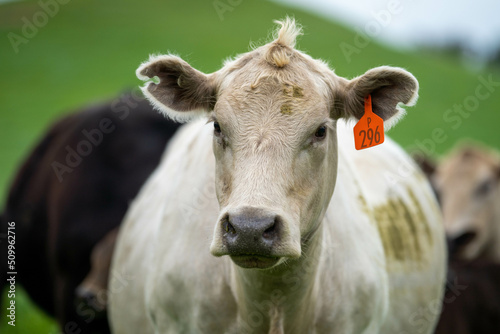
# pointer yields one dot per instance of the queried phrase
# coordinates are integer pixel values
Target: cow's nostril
(227, 226)
(272, 231)
(464, 239)
(457, 244)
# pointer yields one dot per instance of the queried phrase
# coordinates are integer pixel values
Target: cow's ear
(181, 92)
(388, 86)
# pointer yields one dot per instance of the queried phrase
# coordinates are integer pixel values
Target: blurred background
(59, 55)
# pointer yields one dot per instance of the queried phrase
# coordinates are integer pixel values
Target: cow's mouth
(254, 261)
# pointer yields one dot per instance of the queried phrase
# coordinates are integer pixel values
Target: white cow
(257, 183)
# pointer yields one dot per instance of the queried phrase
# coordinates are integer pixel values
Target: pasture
(89, 50)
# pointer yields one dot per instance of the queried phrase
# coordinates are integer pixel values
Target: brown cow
(467, 183)
(93, 289)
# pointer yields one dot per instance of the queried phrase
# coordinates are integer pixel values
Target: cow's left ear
(182, 91)
(388, 87)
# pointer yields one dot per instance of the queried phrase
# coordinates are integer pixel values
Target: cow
(93, 289)
(73, 189)
(471, 304)
(467, 183)
(320, 238)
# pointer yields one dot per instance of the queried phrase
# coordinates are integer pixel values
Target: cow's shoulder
(387, 189)
(395, 194)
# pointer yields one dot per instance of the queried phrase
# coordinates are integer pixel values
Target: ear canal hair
(182, 91)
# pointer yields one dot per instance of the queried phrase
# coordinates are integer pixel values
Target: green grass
(90, 49)
(29, 318)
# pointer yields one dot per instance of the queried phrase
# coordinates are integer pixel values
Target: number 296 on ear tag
(369, 131)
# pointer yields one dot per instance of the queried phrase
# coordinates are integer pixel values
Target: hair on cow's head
(183, 92)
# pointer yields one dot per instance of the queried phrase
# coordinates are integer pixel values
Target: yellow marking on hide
(421, 215)
(404, 230)
(293, 91)
(297, 91)
(364, 204)
(286, 109)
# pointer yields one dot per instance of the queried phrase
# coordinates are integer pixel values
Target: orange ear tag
(369, 131)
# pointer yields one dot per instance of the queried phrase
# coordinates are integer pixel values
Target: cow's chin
(255, 261)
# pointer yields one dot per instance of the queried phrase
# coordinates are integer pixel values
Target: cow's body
(355, 286)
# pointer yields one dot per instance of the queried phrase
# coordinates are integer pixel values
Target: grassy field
(89, 50)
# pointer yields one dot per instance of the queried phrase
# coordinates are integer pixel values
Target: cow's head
(274, 112)
(468, 185)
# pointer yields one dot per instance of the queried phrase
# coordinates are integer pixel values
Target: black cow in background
(72, 190)
(471, 303)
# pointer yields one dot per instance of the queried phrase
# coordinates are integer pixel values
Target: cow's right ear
(389, 88)
(182, 91)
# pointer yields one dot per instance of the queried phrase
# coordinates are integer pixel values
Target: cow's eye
(217, 130)
(320, 133)
(485, 187)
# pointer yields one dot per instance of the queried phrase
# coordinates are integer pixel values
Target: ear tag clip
(369, 131)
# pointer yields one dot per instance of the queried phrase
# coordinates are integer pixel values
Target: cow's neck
(280, 300)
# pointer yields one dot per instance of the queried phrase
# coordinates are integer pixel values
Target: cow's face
(468, 186)
(275, 147)
(274, 112)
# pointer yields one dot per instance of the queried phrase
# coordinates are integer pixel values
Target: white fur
(401, 110)
(288, 33)
(181, 117)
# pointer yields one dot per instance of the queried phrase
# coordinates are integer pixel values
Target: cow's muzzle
(253, 237)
